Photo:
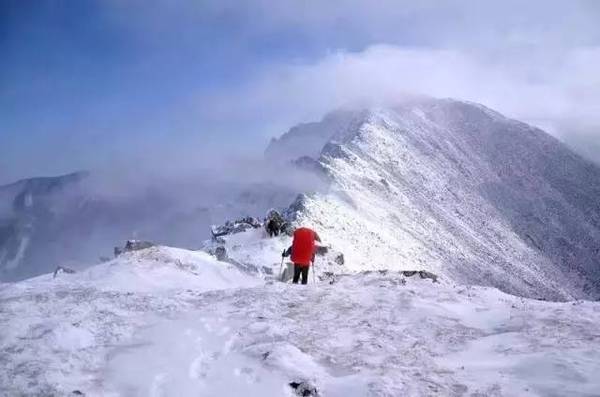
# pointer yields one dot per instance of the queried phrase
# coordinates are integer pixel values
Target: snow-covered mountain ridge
(444, 186)
(171, 322)
(462, 191)
(23, 206)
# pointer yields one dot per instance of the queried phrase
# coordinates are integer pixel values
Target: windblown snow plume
(460, 190)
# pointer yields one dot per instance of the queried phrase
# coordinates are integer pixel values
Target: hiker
(303, 252)
(272, 227)
(273, 223)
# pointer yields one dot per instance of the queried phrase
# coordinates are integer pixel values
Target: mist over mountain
(458, 189)
(442, 185)
(426, 209)
(77, 219)
(162, 165)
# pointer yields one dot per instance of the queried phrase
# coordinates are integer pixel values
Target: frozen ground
(168, 322)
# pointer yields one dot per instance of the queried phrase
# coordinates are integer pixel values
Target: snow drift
(151, 324)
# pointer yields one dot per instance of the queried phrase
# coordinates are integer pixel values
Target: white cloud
(555, 91)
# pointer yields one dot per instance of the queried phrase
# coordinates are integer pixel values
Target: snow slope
(148, 325)
(440, 185)
(55, 332)
(460, 190)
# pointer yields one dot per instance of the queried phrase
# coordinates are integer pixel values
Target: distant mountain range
(65, 220)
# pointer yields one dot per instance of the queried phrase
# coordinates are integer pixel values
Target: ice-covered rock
(304, 389)
(62, 269)
(133, 245)
(236, 226)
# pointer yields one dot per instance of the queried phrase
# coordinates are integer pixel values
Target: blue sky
(93, 84)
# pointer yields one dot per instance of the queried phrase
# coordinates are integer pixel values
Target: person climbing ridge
(273, 223)
(302, 252)
(272, 228)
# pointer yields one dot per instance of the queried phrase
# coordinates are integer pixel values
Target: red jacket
(303, 246)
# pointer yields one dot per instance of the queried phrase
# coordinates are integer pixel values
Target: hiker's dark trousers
(300, 270)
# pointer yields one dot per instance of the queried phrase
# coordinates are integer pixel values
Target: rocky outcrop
(307, 139)
(422, 274)
(62, 269)
(236, 226)
(133, 245)
(304, 389)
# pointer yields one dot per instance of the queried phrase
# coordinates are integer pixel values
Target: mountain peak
(459, 189)
(340, 126)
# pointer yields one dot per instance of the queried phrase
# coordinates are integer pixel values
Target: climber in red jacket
(303, 251)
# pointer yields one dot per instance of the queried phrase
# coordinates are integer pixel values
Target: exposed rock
(421, 273)
(63, 269)
(221, 253)
(304, 389)
(133, 245)
(237, 226)
(307, 139)
(310, 164)
(291, 213)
